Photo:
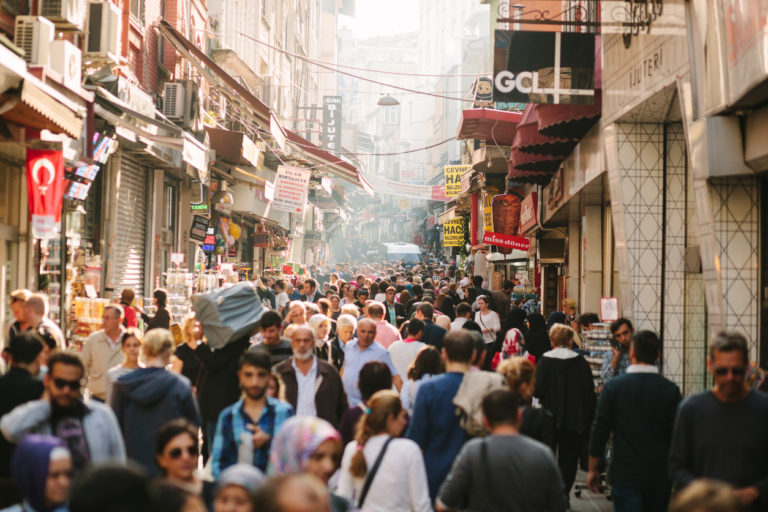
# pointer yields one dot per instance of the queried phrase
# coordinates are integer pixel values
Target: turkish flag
(45, 189)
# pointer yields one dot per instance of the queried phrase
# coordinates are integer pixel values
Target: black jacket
(564, 386)
(219, 386)
(330, 399)
(433, 335)
(16, 387)
(399, 313)
(537, 342)
(161, 320)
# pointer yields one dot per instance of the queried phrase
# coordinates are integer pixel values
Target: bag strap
(372, 473)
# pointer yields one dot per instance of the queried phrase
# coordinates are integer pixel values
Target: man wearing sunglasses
(88, 428)
(722, 434)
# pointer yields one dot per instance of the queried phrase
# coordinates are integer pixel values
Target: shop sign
(482, 92)
(544, 67)
(453, 233)
(487, 212)
(403, 204)
(269, 190)
(199, 228)
(209, 243)
(332, 122)
(194, 153)
(507, 241)
(291, 188)
(45, 188)
(452, 174)
(609, 309)
(251, 152)
(200, 208)
(528, 212)
(177, 258)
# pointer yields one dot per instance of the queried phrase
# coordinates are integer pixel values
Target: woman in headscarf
(325, 347)
(42, 470)
(510, 340)
(306, 444)
(536, 337)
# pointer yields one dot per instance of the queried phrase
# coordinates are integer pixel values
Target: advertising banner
(405, 190)
(45, 188)
(506, 241)
(488, 211)
(291, 187)
(543, 67)
(528, 212)
(506, 217)
(453, 233)
(332, 122)
(452, 175)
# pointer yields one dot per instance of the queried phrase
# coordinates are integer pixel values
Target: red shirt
(130, 319)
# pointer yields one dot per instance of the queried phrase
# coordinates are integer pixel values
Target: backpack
(475, 385)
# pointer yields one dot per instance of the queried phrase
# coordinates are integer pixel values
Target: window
(169, 207)
(137, 10)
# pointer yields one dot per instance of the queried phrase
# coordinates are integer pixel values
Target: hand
(260, 438)
(593, 481)
(747, 495)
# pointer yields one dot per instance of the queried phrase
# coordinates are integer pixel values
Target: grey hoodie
(146, 399)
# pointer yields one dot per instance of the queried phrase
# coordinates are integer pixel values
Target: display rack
(87, 313)
(596, 343)
(179, 284)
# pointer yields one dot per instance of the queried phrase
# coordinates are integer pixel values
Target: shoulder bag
(372, 474)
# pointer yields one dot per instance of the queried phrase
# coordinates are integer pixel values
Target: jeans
(631, 498)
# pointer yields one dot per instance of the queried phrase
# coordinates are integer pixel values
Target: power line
(319, 64)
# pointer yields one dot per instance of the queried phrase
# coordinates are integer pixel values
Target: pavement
(587, 501)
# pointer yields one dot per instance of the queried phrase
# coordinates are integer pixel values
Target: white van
(411, 253)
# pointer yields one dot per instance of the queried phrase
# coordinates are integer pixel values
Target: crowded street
(402, 256)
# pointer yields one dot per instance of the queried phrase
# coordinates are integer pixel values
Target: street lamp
(387, 101)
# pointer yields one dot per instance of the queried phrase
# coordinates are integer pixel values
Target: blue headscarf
(29, 468)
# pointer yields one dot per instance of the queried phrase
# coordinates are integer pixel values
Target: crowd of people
(388, 389)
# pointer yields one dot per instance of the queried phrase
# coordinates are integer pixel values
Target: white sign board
(609, 309)
(291, 187)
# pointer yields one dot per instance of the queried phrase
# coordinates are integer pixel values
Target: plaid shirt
(233, 421)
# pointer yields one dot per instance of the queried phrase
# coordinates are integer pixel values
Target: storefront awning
(533, 177)
(235, 147)
(329, 162)
(534, 162)
(528, 139)
(32, 105)
(569, 121)
(447, 215)
(493, 126)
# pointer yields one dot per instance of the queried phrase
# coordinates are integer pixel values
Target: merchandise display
(597, 342)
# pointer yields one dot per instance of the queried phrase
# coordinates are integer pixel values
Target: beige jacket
(99, 356)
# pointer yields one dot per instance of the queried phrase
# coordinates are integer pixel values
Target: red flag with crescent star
(45, 188)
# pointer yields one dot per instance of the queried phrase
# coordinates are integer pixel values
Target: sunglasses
(74, 385)
(737, 371)
(192, 451)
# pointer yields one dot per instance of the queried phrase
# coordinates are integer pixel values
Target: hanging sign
(45, 190)
(332, 122)
(199, 228)
(452, 175)
(528, 213)
(487, 211)
(506, 241)
(544, 67)
(291, 188)
(609, 309)
(453, 233)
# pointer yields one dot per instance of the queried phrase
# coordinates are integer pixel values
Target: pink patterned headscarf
(297, 440)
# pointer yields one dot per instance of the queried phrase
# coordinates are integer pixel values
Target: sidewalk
(588, 502)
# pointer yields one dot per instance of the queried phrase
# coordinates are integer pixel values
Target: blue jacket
(146, 399)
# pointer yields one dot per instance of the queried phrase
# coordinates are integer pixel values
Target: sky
(383, 17)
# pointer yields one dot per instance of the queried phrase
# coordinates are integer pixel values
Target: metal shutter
(127, 266)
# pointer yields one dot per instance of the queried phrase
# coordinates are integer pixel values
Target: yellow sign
(453, 179)
(488, 211)
(403, 204)
(453, 233)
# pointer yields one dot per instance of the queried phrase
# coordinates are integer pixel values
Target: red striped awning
(569, 121)
(493, 126)
(532, 177)
(534, 162)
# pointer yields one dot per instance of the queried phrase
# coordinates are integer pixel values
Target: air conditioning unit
(103, 40)
(180, 101)
(34, 35)
(64, 13)
(66, 59)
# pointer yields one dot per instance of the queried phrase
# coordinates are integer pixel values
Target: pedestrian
(147, 398)
(504, 471)
(19, 323)
(161, 318)
(245, 429)
(236, 488)
(536, 336)
(129, 314)
(311, 294)
(503, 297)
(427, 364)
(102, 350)
(379, 470)
(487, 319)
(434, 424)
(536, 422)
(477, 289)
(184, 361)
(358, 352)
(386, 333)
(719, 434)
(36, 316)
(279, 348)
(463, 313)
(312, 385)
(42, 468)
(282, 299)
(176, 453)
(18, 386)
(639, 409)
(346, 325)
(297, 492)
(335, 310)
(394, 311)
(374, 376)
(616, 361)
(292, 293)
(403, 352)
(433, 334)
(510, 340)
(297, 313)
(308, 445)
(325, 347)
(445, 305)
(564, 386)
(130, 343)
(569, 310)
(707, 495)
(88, 428)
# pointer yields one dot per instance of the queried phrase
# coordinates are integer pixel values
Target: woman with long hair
(162, 318)
(176, 453)
(184, 360)
(426, 365)
(487, 319)
(536, 337)
(537, 423)
(130, 342)
(399, 483)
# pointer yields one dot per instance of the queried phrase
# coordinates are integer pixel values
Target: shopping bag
(228, 313)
